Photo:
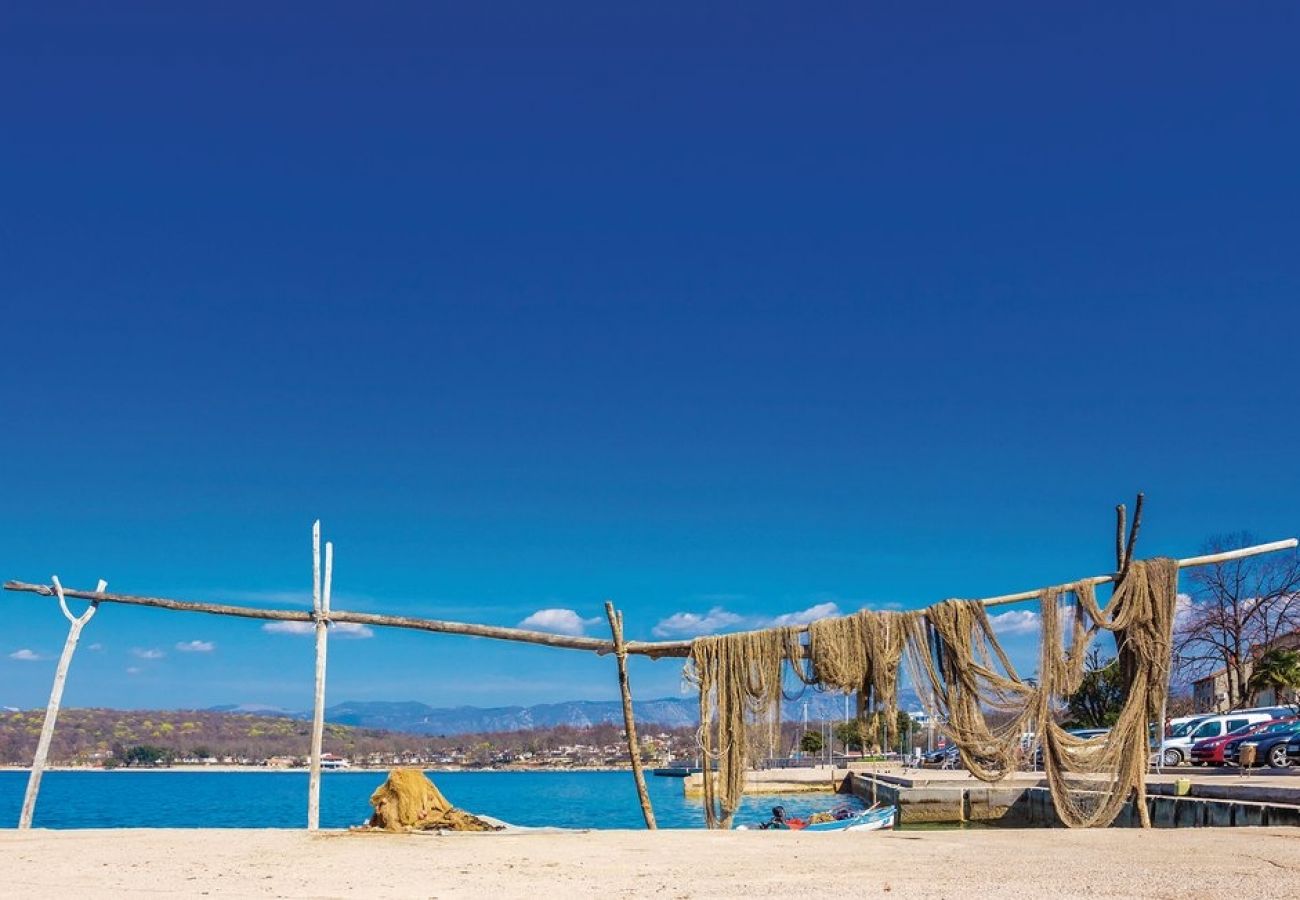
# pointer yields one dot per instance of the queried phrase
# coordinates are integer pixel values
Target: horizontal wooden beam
(682, 648)
(293, 615)
(654, 649)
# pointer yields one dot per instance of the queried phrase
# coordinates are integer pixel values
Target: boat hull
(872, 820)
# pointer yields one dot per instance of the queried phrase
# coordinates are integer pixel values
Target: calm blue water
(145, 799)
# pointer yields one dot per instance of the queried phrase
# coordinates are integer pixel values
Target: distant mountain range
(419, 718)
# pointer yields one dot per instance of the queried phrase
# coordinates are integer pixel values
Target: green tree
(811, 742)
(1279, 670)
(851, 734)
(904, 731)
(1100, 697)
(148, 755)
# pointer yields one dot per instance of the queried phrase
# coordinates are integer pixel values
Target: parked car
(1177, 748)
(943, 758)
(1209, 752)
(1293, 750)
(1182, 724)
(1084, 733)
(1270, 745)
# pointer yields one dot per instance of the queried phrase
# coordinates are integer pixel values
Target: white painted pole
(320, 606)
(1191, 562)
(75, 624)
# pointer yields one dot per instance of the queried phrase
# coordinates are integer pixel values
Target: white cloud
(558, 621)
(97, 646)
(352, 630)
(289, 627)
(689, 624)
(803, 616)
(25, 655)
(133, 670)
(1016, 621)
(718, 618)
(340, 629)
(196, 646)
(151, 653)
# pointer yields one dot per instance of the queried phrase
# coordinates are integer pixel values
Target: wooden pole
(654, 649)
(629, 719)
(75, 624)
(321, 609)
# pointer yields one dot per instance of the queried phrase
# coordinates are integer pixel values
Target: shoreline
(677, 864)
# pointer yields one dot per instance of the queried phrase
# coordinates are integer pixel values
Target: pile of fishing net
(409, 801)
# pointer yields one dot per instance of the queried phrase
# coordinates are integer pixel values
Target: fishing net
(409, 801)
(964, 678)
(860, 653)
(739, 677)
(1091, 780)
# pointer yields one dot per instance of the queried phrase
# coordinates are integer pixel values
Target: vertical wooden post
(75, 624)
(321, 610)
(629, 720)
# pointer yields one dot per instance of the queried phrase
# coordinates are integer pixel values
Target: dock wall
(1029, 806)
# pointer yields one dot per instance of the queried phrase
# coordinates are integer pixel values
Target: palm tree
(1277, 669)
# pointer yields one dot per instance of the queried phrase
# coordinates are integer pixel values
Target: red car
(1209, 752)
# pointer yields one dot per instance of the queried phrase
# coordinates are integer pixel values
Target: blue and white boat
(877, 819)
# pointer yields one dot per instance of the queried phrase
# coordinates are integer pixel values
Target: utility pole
(799, 741)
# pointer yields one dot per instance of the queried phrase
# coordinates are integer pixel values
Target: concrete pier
(779, 781)
(1023, 800)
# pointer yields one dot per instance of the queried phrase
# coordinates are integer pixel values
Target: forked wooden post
(629, 719)
(321, 608)
(75, 624)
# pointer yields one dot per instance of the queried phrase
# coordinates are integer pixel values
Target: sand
(672, 864)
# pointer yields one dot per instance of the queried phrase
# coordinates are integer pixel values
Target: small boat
(877, 818)
(675, 771)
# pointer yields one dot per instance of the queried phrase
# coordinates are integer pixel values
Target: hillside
(358, 730)
(86, 735)
(95, 736)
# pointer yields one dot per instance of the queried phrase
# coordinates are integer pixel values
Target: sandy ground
(672, 864)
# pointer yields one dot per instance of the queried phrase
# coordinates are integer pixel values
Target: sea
(142, 798)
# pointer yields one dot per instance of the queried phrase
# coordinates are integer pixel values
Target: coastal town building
(1210, 692)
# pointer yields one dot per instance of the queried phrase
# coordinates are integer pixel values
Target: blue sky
(718, 312)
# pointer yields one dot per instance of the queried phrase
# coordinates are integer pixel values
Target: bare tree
(1236, 609)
